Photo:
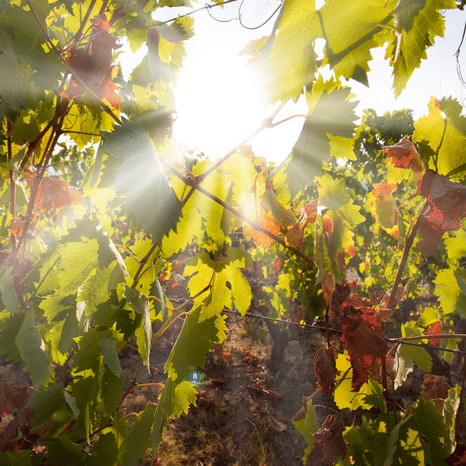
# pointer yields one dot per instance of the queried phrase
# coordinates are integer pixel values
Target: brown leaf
(325, 368)
(435, 386)
(93, 62)
(330, 443)
(12, 398)
(446, 206)
(301, 414)
(277, 427)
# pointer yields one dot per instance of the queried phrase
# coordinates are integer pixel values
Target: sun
(218, 104)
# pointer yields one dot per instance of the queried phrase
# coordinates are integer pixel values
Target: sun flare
(218, 105)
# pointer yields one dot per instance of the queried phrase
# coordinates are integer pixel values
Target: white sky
(218, 100)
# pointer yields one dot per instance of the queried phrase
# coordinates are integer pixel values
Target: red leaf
(435, 329)
(404, 155)
(55, 193)
(364, 344)
(295, 234)
(446, 207)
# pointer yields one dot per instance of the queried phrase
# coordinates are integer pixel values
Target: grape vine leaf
(325, 368)
(383, 207)
(140, 304)
(110, 354)
(148, 195)
(286, 61)
(194, 341)
(406, 355)
(8, 331)
(31, 347)
(306, 423)
(7, 291)
(329, 443)
(416, 26)
(445, 136)
(331, 111)
(139, 437)
(446, 206)
(450, 296)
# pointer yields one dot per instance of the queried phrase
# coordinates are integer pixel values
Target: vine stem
(408, 244)
(205, 7)
(79, 34)
(429, 337)
(255, 225)
(12, 185)
(267, 123)
(71, 70)
(56, 133)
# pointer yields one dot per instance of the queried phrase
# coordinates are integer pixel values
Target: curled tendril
(208, 7)
(240, 17)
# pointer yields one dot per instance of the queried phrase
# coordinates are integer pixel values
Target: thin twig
(240, 18)
(205, 7)
(267, 123)
(71, 70)
(404, 258)
(457, 55)
(79, 34)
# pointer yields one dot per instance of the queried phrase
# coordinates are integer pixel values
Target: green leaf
(30, 345)
(331, 112)
(430, 426)
(332, 192)
(461, 282)
(18, 458)
(64, 449)
(450, 296)
(445, 136)
(140, 304)
(194, 341)
(184, 395)
(285, 62)
(110, 354)
(450, 408)
(417, 25)
(9, 328)
(139, 437)
(148, 195)
(46, 403)
(394, 441)
(406, 355)
(8, 293)
(111, 443)
(308, 426)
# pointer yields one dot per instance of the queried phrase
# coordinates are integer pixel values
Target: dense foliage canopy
(96, 201)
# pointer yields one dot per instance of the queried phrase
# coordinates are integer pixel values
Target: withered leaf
(326, 369)
(435, 386)
(12, 398)
(364, 344)
(330, 443)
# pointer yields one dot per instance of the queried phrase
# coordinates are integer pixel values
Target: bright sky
(218, 99)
